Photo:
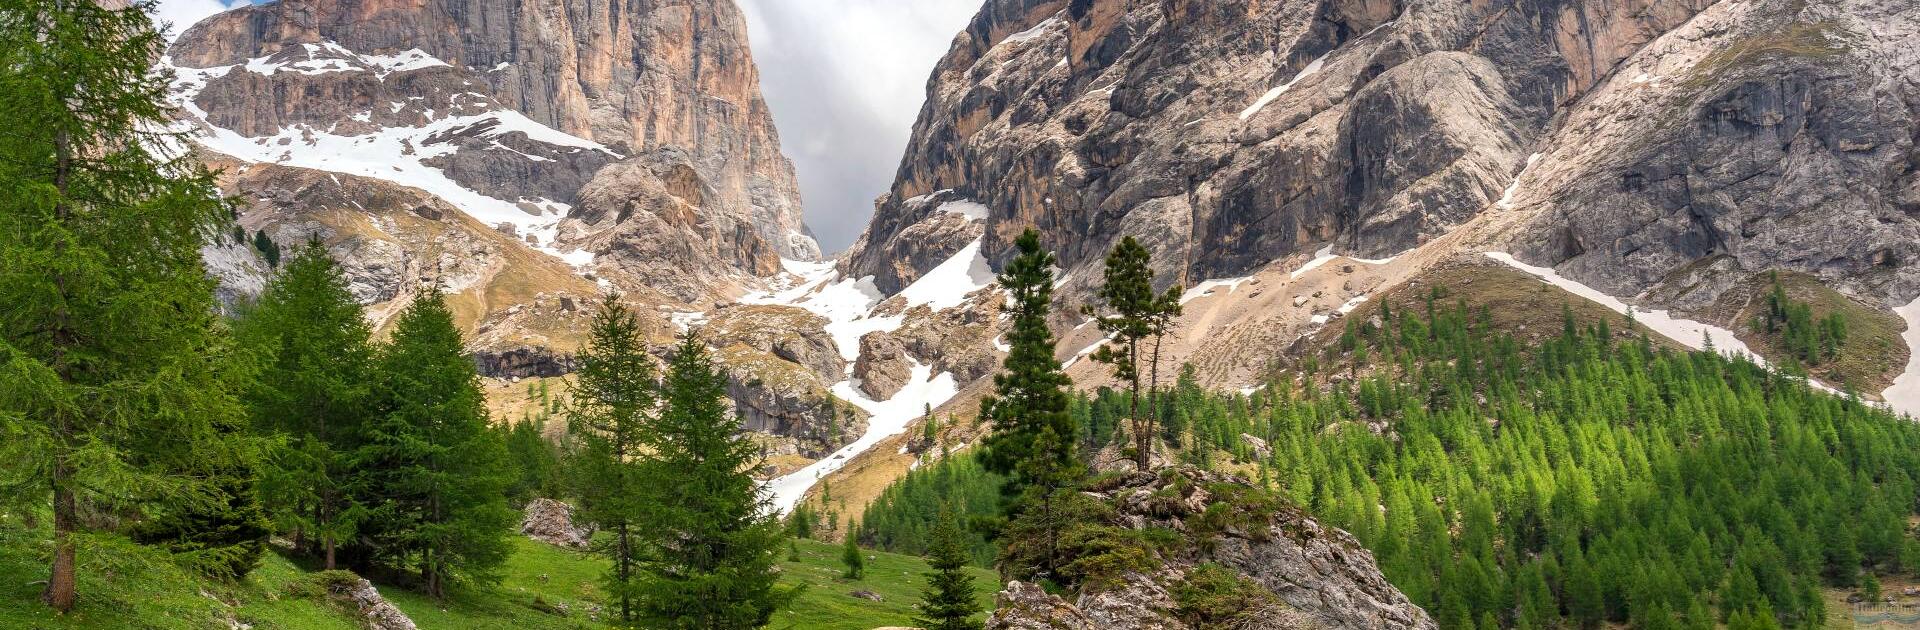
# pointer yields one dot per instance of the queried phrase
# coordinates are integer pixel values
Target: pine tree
(1033, 431)
(431, 489)
(114, 385)
(1127, 294)
(312, 392)
(948, 602)
(711, 538)
(614, 400)
(856, 564)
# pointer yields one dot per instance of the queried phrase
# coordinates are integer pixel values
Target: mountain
(1282, 160)
(1287, 160)
(1663, 152)
(627, 143)
(525, 156)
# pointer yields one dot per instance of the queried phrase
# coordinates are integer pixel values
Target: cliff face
(627, 137)
(527, 157)
(1229, 135)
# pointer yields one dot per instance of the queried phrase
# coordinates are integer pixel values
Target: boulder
(551, 522)
(883, 367)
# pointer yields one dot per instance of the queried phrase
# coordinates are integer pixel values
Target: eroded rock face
(1320, 576)
(783, 398)
(638, 76)
(1225, 135)
(1759, 136)
(883, 367)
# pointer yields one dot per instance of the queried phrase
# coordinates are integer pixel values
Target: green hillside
(135, 587)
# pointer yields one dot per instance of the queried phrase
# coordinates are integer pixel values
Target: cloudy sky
(844, 78)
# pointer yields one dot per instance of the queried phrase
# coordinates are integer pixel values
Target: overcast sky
(844, 78)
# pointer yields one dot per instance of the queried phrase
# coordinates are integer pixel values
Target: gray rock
(376, 613)
(883, 367)
(551, 522)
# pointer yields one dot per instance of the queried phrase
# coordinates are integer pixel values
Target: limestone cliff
(1228, 135)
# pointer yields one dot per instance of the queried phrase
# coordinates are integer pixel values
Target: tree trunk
(1142, 443)
(626, 573)
(60, 592)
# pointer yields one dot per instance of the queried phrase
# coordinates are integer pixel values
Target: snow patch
(1278, 90)
(1904, 395)
(972, 210)
(1687, 332)
(1206, 288)
(393, 154)
(1321, 257)
(947, 285)
(1036, 31)
(886, 418)
(1506, 198)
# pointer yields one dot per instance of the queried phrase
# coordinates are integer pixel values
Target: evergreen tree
(225, 537)
(534, 458)
(948, 602)
(431, 489)
(851, 558)
(312, 393)
(614, 400)
(1127, 295)
(710, 539)
(114, 385)
(1033, 432)
(267, 247)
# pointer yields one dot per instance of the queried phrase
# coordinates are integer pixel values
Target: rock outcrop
(1310, 575)
(376, 613)
(883, 367)
(551, 522)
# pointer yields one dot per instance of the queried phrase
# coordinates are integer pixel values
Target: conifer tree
(711, 540)
(113, 382)
(1133, 309)
(856, 564)
(948, 602)
(312, 392)
(431, 489)
(1033, 431)
(613, 402)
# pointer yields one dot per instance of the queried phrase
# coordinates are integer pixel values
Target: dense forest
(1589, 479)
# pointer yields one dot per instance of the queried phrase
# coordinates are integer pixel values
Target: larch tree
(115, 384)
(614, 402)
(432, 492)
(313, 393)
(712, 540)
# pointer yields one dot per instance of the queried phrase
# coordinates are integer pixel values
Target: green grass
(826, 605)
(126, 586)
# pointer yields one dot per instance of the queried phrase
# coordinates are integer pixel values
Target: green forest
(1591, 479)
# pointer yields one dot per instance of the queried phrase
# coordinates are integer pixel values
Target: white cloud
(845, 79)
(184, 13)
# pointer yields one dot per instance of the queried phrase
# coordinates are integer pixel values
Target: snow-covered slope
(852, 308)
